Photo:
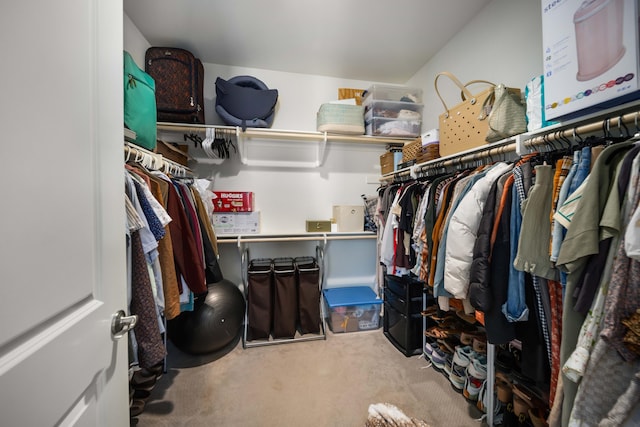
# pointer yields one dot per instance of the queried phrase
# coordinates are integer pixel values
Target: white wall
(502, 44)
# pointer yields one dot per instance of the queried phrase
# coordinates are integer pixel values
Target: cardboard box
(351, 309)
(590, 53)
(349, 217)
(386, 163)
(232, 201)
(236, 223)
(349, 93)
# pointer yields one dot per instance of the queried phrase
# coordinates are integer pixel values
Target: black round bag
(245, 101)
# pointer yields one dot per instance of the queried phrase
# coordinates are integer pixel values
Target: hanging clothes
(581, 241)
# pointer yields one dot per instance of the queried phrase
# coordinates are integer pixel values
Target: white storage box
(349, 218)
(236, 222)
(392, 93)
(590, 51)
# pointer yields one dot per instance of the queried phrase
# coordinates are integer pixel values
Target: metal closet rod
(601, 125)
(165, 163)
(470, 157)
(293, 238)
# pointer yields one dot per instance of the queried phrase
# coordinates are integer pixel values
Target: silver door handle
(121, 324)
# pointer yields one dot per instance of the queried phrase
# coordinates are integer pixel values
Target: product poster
(590, 53)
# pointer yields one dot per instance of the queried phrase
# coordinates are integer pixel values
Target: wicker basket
(430, 151)
(410, 150)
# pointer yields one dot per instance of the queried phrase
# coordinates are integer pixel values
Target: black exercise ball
(214, 323)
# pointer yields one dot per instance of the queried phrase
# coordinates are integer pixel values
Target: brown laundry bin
(308, 294)
(260, 294)
(285, 307)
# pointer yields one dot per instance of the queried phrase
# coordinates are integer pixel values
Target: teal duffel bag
(140, 114)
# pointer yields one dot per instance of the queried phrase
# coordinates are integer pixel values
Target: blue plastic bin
(351, 309)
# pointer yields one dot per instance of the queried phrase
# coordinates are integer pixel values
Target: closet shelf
(271, 138)
(281, 134)
(294, 237)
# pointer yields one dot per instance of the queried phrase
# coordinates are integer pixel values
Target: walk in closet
(504, 357)
(524, 341)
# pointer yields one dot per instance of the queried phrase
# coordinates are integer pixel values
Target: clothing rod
(471, 157)
(222, 239)
(609, 124)
(165, 164)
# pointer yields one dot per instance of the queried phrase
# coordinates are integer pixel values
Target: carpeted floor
(321, 383)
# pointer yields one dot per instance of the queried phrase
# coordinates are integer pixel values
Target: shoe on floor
(439, 359)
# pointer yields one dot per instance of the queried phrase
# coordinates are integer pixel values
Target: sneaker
(472, 388)
(429, 346)
(457, 377)
(477, 368)
(439, 359)
(482, 403)
(459, 362)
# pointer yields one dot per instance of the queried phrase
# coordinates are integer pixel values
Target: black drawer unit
(404, 332)
(407, 287)
(400, 303)
(403, 322)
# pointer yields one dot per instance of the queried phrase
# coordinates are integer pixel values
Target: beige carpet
(322, 383)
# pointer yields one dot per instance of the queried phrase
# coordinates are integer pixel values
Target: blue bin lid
(353, 295)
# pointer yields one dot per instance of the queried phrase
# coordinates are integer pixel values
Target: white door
(62, 245)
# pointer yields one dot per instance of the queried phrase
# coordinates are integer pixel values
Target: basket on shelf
(410, 150)
(429, 151)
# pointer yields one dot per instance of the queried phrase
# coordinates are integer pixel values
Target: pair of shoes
(469, 318)
(498, 407)
(538, 418)
(448, 345)
(525, 399)
(140, 381)
(480, 344)
(439, 359)
(503, 386)
(430, 311)
(136, 407)
(459, 363)
(157, 370)
(476, 376)
(441, 332)
(429, 346)
(467, 337)
(504, 361)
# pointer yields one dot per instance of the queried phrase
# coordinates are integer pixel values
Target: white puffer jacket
(463, 230)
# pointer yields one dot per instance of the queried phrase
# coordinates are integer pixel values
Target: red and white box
(232, 201)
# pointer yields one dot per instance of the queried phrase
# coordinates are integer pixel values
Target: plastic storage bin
(393, 110)
(393, 93)
(393, 127)
(352, 309)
